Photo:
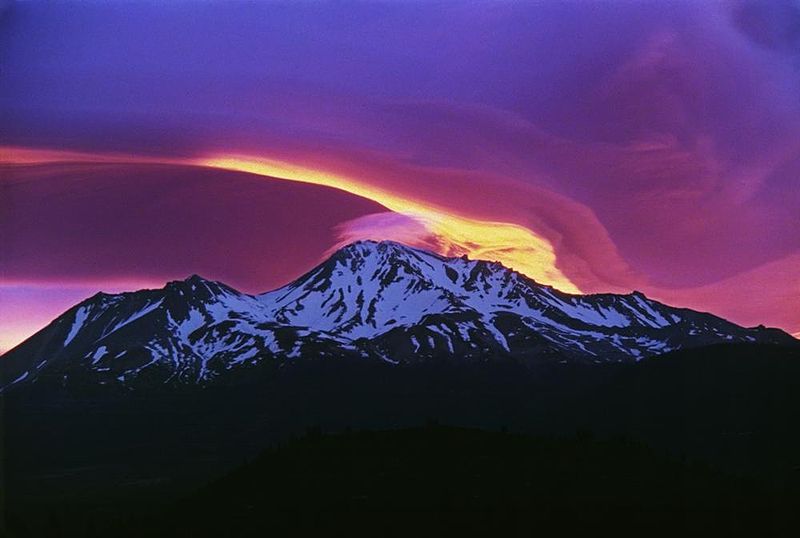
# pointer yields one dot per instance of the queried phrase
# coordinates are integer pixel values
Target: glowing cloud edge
(512, 245)
(447, 232)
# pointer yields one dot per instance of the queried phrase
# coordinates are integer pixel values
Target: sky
(594, 146)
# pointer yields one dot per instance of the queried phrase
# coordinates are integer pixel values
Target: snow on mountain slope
(368, 289)
(371, 300)
(189, 331)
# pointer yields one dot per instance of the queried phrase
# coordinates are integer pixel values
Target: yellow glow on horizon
(512, 245)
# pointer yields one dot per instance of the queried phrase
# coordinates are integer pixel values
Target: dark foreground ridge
(442, 481)
(729, 413)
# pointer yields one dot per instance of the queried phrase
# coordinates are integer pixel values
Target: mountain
(370, 301)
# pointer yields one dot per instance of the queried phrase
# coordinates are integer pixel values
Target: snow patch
(99, 353)
(80, 318)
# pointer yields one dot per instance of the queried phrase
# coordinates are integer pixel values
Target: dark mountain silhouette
(101, 453)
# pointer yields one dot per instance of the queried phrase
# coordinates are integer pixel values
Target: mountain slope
(380, 301)
(189, 331)
(400, 297)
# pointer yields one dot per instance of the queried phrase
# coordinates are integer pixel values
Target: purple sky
(655, 145)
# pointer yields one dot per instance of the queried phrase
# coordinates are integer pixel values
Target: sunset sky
(593, 146)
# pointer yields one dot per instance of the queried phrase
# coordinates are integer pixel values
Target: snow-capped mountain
(373, 301)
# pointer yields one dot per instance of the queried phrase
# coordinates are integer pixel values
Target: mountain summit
(369, 300)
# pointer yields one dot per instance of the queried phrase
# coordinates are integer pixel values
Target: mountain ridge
(369, 300)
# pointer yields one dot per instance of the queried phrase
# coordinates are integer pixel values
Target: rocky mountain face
(369, 301)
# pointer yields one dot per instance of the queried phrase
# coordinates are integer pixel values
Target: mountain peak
(367, 246)
(199, 287)
(193, 280)
(370, 251)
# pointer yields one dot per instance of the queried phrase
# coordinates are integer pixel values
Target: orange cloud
(748, 298)
(513, 245)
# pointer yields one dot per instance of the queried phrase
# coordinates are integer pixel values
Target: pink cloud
(107, 223)
(766, 295)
